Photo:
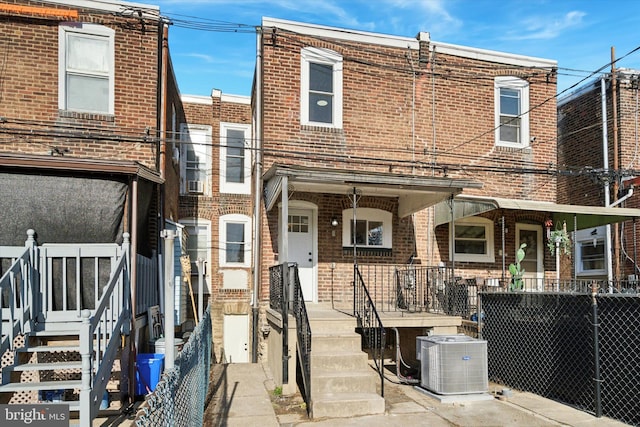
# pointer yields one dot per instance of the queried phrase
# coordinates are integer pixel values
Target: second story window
(195, 159)
(512, 112)
(321, 88)
(235, 158)
(86, 68)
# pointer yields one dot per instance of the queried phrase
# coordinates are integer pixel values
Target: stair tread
(332, 373)
(45, 366)
(49, 348)
(54, 333)
(347, 395)
(45, 385)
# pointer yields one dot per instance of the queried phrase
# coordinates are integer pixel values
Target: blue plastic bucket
(148, 370)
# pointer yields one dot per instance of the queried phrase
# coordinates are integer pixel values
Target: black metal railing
(278, 300)
(373, 332)
(285, 295)
(303, 329)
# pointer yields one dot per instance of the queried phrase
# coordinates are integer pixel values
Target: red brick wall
(392, 121)
(29, 92)
(223, 301)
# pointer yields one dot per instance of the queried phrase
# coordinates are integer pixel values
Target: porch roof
(585, 216)
(414, 192)
(115, 167)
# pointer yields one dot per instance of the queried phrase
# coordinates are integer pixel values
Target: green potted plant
(516, 270)
(561, 238)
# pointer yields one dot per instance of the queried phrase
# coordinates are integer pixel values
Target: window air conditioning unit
(195, 186)
(453, 364)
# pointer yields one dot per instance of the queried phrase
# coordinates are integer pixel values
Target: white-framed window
(235, 241)
(373, 228)
(321, 88)
(86, 68)
(472, 240)
(511, 112)
(198, 241)
(590, 251)
(195, 159)
(235, 158)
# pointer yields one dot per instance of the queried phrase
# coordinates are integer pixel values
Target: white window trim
(193, 222)
(523, 87)
(368, 214)
(85, 29)
(585, 237)
(488, 229)
(328, 57)
(232, 187)
(185, 130)
(222, 244)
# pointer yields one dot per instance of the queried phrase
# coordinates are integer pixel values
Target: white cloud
(205, 58)
(545, 28)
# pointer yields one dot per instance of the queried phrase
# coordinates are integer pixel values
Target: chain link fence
(179, 398)
(580, 349)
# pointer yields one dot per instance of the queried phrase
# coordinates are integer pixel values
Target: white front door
(301, 249)
(533, 262)
(236, 338)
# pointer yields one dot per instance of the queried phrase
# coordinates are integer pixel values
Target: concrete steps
(342, 382)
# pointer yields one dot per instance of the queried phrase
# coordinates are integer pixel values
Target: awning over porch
(584, 216)
(414, 192)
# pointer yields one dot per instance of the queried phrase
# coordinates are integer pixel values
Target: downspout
(616, 161)
(605, 156)
(164, 53)
(257, 217)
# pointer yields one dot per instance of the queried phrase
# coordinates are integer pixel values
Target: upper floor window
(372, 228)
(86, 68)
(472, 240)
(512, 112)
(235, 159)
(195, 159)
(321, 88)
(235, 240)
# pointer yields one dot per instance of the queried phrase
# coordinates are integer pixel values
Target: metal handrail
(100, 335)
(369, 321)
(18, 286)
(303, 329)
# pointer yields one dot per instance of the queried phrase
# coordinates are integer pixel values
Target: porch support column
(504, 262)
(284, 222)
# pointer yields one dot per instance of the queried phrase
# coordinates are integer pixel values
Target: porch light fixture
(334, 222)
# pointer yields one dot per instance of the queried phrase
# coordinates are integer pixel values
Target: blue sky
(579, 34)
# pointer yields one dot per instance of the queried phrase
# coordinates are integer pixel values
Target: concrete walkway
(243, 399)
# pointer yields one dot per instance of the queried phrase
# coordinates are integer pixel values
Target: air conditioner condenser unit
(453, 364)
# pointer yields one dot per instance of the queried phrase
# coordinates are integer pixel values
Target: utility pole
(616, 162)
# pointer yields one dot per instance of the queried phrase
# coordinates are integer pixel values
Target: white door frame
(539, 273)
(236, 338)
(299, 204)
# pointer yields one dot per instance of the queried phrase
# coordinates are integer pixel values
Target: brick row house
(215, 209)
(382, 151)
(89, 102)
(597, 149)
